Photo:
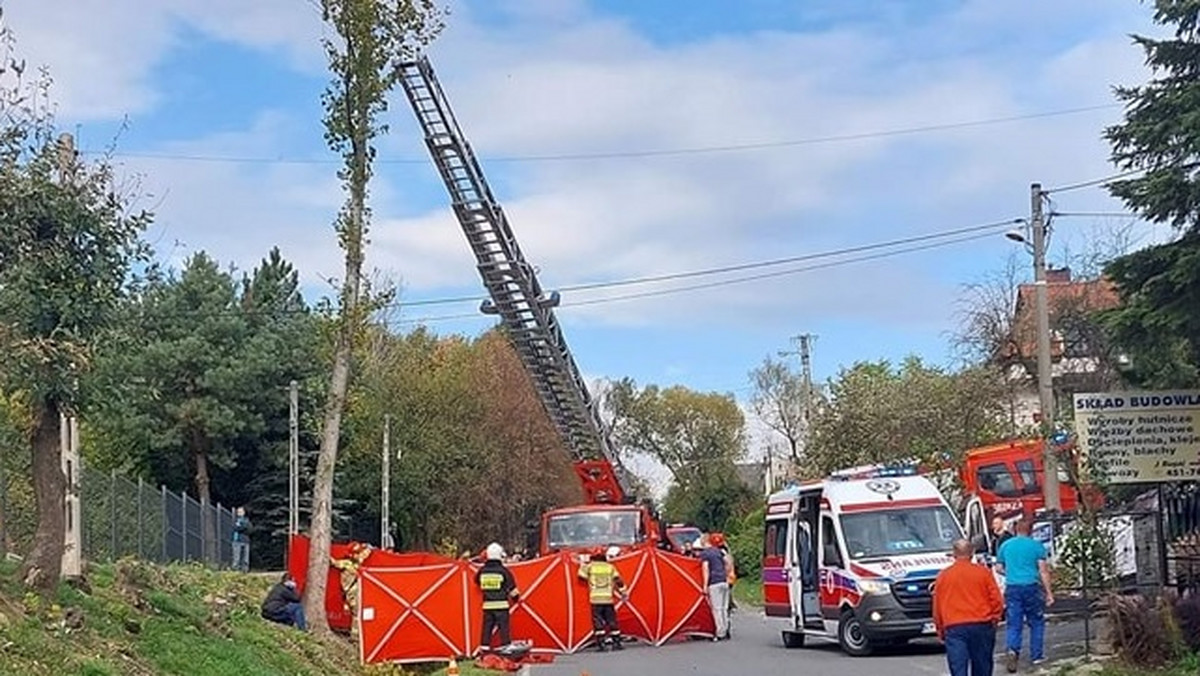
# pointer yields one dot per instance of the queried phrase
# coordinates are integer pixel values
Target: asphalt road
(756, 649)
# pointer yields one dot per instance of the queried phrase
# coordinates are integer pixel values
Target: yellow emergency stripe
(600, 576)
(493, 582)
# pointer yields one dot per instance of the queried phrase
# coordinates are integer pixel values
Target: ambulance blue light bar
(879, 472)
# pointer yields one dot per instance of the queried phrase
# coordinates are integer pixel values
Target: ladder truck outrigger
(609, 516)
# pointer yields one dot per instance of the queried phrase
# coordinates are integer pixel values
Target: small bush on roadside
(746, 544)
(1141, 631)
(1187, 617)
(1086, 559)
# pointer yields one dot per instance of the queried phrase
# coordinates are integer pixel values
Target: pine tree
(1158, 324)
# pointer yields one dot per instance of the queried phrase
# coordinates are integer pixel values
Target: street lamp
(1036, 243)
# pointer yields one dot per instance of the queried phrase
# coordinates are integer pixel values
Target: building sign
(1132, 437)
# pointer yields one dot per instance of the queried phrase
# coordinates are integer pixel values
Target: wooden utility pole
(385, 526)
(1037, 224)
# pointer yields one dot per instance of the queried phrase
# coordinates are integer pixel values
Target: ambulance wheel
(793, 639)
(851, 637)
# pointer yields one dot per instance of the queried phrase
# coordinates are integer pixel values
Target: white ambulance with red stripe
(853, 558)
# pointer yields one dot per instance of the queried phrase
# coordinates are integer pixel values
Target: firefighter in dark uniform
(603, 584)
(498, 587)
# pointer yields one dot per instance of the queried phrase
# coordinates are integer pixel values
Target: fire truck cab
(852, 559)
(1007, 478)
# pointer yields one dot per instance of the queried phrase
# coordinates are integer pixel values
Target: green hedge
(746, 544)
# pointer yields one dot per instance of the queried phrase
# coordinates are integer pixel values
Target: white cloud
(103, 54)
(562, 79)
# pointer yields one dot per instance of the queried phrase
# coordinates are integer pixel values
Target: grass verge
(748, 593)
(139, 619)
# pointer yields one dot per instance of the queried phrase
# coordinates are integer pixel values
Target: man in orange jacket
(967, 606)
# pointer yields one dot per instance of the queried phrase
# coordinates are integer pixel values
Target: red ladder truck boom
(525, 309)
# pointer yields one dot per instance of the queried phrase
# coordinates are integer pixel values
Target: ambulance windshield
(896, 532)
(593, 529)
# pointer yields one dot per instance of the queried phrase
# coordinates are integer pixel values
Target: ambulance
(853, 558)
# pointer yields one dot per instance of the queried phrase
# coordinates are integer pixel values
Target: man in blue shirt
(1022, 561)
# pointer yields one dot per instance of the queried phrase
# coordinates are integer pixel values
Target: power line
(986, 228)
(634, 154)
(793, 259)
(1095, 181)
(1094, 214)
(722, 283)
(1124, 174)
(741, 266)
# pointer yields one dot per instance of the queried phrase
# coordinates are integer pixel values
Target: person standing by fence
(1023, 562)
(241, 540)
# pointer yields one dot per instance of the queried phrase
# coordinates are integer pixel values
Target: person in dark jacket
(498, 587)
(241, 540)
(1000, 533)
(283, 605)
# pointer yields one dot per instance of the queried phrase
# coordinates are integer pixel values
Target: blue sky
(220, 103)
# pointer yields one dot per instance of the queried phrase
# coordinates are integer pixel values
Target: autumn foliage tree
(697, 436)
(475, 455)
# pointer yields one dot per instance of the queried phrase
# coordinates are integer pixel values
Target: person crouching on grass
(282, 604)
(603, 584)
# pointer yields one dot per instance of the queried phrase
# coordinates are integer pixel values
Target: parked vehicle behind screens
(591, 529)
(853, 559)
(681, 538)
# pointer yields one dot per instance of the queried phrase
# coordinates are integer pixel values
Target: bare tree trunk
(204, 492)
(44, 566)
(321, 527)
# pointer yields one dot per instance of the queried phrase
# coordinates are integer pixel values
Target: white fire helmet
(612, 553)
(495, 552)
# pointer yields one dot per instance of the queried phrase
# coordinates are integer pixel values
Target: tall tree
(372, 37)
(1158, 324)
(526, 469)
(68, 240)
(190, 389)
(1160, 135)
(779, 401)
(284, 345)
(697, 436)
(878, 413)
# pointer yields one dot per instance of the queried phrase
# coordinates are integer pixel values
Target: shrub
(1086, 558)
(1187, 618)
(1140, 631)
(746, 544)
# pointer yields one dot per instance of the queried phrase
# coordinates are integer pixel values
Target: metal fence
(127, 518)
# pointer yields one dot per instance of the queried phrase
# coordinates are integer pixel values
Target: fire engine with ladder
(526, 311)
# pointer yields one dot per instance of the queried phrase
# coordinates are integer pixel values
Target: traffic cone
(452, 670)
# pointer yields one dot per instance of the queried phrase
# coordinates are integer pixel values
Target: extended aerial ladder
(525, 309)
